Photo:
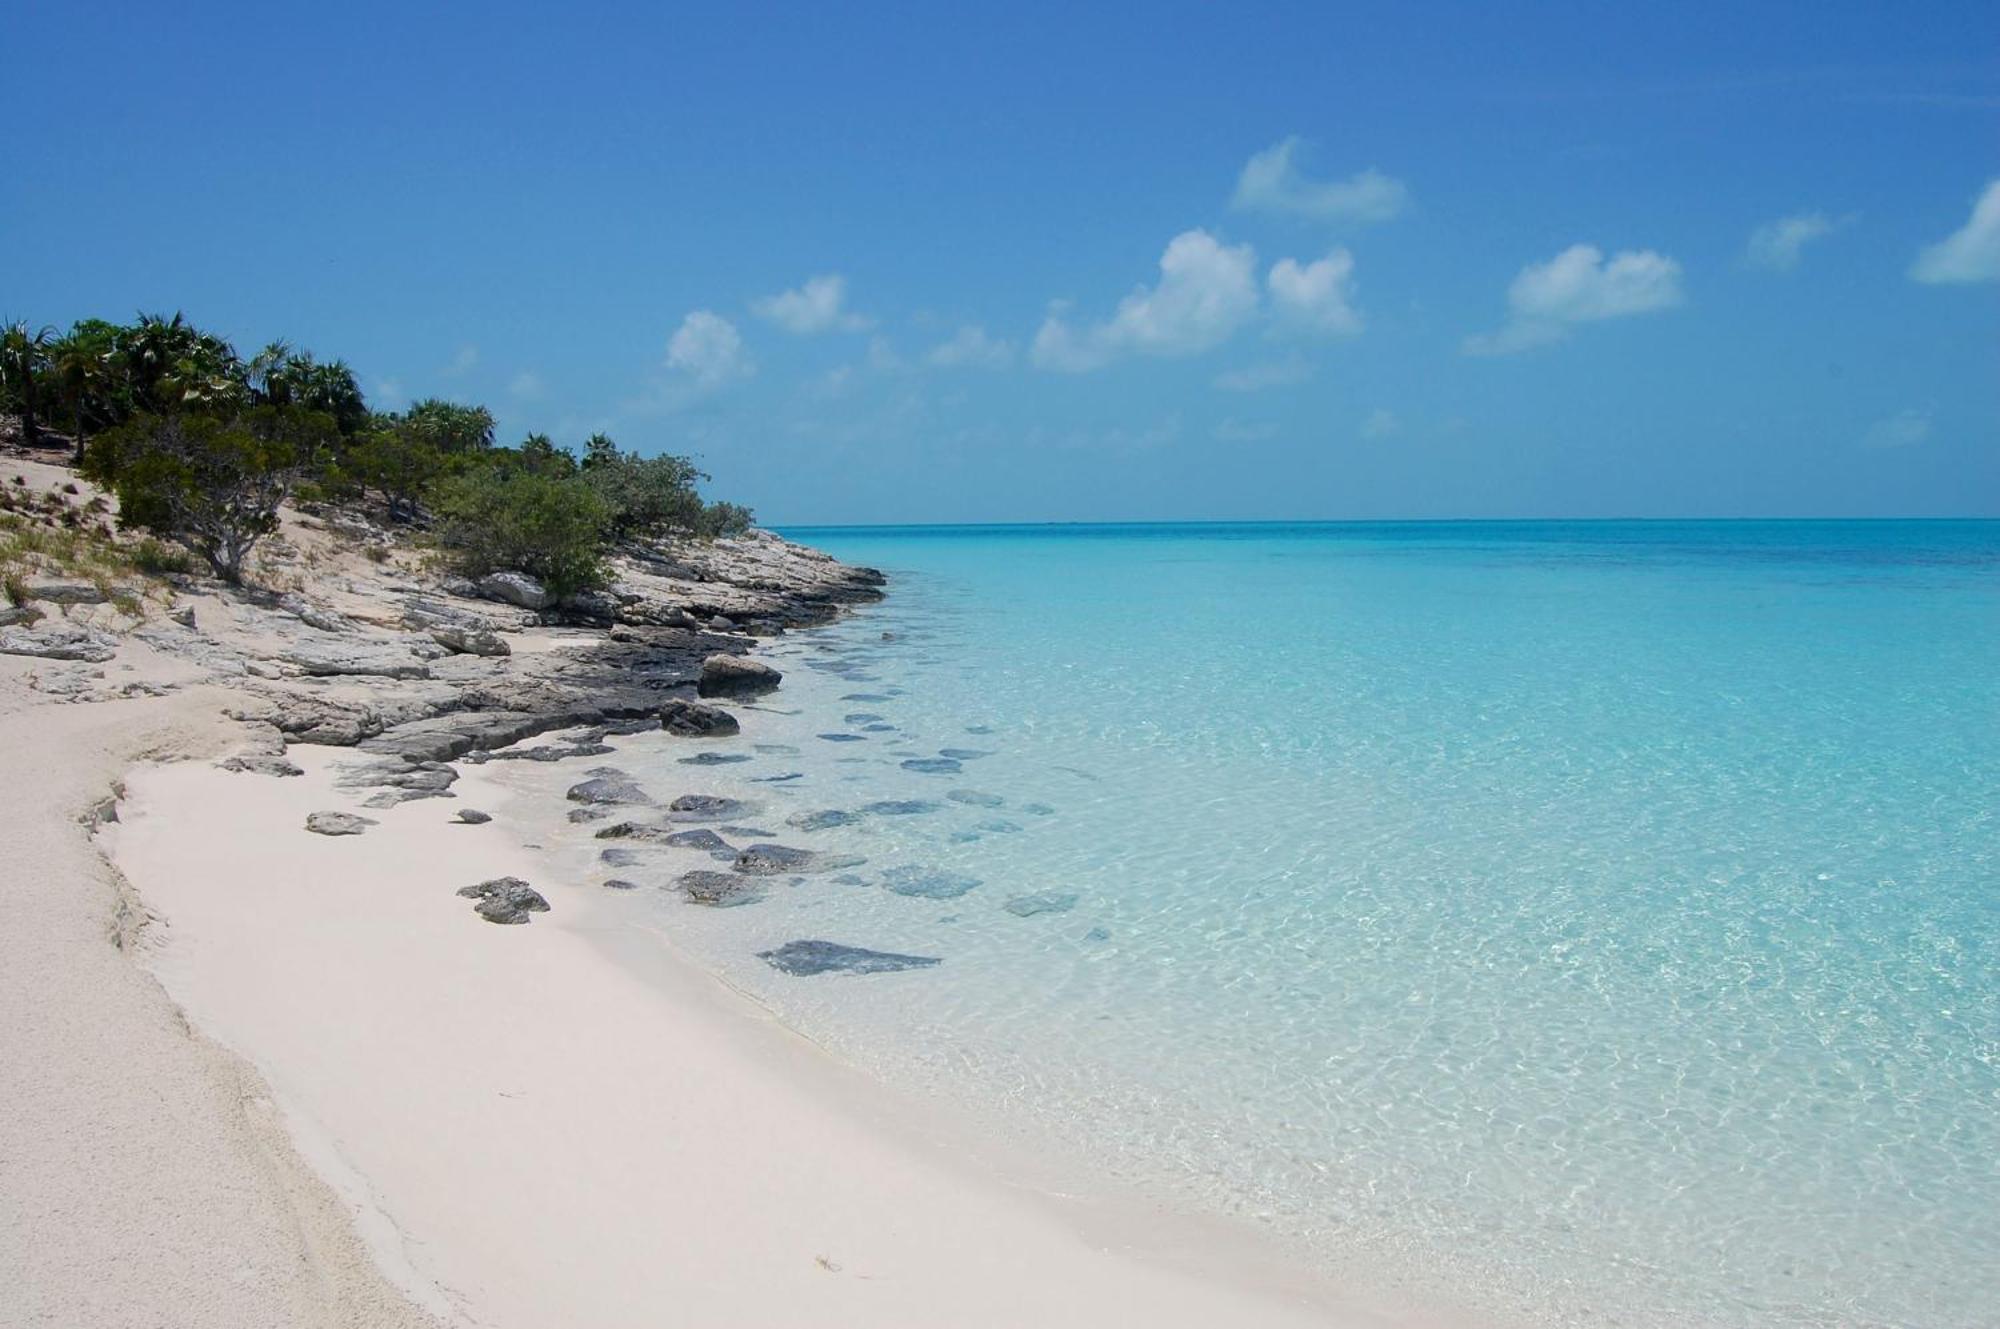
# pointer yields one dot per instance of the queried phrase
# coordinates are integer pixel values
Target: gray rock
(63, 642)
(617, 857)
(1045, 902)
(610, 788)
(901, 807)
(389, 798)
(843, 738)
(10, 615)
(735, 676)
(620, 884)
(592, 605)
(715, 759)
(691, 719)
(860, 717)
(1038, 809)
(719, 890)
(964, 754)
(819, 821)
(66, 591)
(312, 615)
(932, 765)
(473, 817)
(470, 641)
(805, 958)
(705, 807)
(335, 658)
(505, 900)
(699, 839)
(183, 616)
(515, 588)
(261, 764)
(337, 823)
(973, 798)
(763, 860)
(928, 883)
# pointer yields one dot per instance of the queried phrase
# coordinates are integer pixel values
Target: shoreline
(271, 951)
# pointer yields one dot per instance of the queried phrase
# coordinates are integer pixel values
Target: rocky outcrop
(333, 658)
(505, 900)
(805, 958)
(462, 640)
(719, 890)
(608, 786)
(515, 588)
(337, 823)
(472, 817)
(736, 676)
(928, 883)
(62, 642)
(691, 719)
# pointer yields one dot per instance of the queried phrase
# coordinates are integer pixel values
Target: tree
(280, 376)
(398, 460)
(84, 374)
(211, 483)
(539, 454)
(646, 496)
(24, 360)
(493, 520)
(451, 428)
(599, 450)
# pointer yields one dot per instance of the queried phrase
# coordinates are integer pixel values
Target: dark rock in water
(999, 826)
(614, 787)
(618, 857)
(701, 839)
(974, 798)
(1046, 902)
(473, 817)
(964, 754)
(964, 837)
(901, 807)
(1098, 934)
(704, 807)
(928, 883)
(505, 900)
(979, 729)
(805, 958)
(580, 815)
(691, 719)
(1038, 809)
(864, 696)
(878, 729)
(720, 890)
(735, 676)
(747, 832)
(786, 778)
(819, 821)
(843, 738)
(620, 884)
(850, 879)
(337, 823)
(776, 749)
(933, 765)
(763, 860)
(715, 758)
(860, 717)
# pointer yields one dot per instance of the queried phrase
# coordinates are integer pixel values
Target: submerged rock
(691, 719)
(999, 826)
(901, 807)
(620, 884)
(505, 900)
(1045, 902)
(473, 817)
(770, 859)
(719, 890)
(964, 754)
(736, 676)
(860, 717)
(338, 823)
(619, 857)
(819, 821)
(864, 696)
(612, 787)
(699, 839)
(705, 807)
(715, 759)
(805, 958)
(843, 738)
(928, 883)
(933, 765)
(973, 798)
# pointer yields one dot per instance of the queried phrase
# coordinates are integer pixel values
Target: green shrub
(160, 559)
(552, 528)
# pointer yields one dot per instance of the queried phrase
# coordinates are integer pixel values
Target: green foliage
(210, 483)
(539, 454)
(553, 528)
(645, 496)
(398, 460)
(723, 519)
(24, 363)
(449, 427)
(280, 376)
(159, 558)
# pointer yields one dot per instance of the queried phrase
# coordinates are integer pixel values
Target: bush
(647, 496)
(552, 528)
(723, 519)
(210, 484)
(399, 460)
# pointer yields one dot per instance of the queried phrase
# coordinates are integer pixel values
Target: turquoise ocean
(1590, 923)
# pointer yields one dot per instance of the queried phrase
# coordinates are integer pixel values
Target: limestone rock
(470, 641)
(515, 588)
(505, 900)
(62, 642)
(691, 719)
(805, 958)
(337, 823)
(719, 890)
(736, 676)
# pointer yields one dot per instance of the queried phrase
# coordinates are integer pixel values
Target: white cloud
(1381, 423)
(1243, 431)
(708, 349)
(883, 357)
(818, 306)
(389, 392)
(971, 348)
(1904, 429)
(527, 385)
(1317, 296)
(1776, 246)
(1207, 290)
(1580, 286)
(1271, 182)
(1969, 254)
(1256, 378)
(463, 361)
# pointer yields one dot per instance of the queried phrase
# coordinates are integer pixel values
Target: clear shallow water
(1592, 922)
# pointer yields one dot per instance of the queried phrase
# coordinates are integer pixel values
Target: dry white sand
(563, 1124)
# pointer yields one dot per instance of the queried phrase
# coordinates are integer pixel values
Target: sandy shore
(564, 1123)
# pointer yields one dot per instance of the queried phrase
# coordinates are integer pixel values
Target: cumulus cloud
(1776, 246)
(1969, 254)
(971, 348)
(1580, 285)
(1381, 423)
(1272, 182)
(527, 385)
(389, 392)
(817, 306)
(1256, 378)
(1316, 296)
(1904, 429)
(1207, 290)
(708, 349)
(463, 361)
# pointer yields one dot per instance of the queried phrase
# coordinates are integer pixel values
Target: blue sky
(1419, 261)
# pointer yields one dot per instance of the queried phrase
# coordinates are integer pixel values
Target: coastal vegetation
(202, 445)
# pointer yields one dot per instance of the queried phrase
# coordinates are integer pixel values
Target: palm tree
(81, 370)
(24, 358)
